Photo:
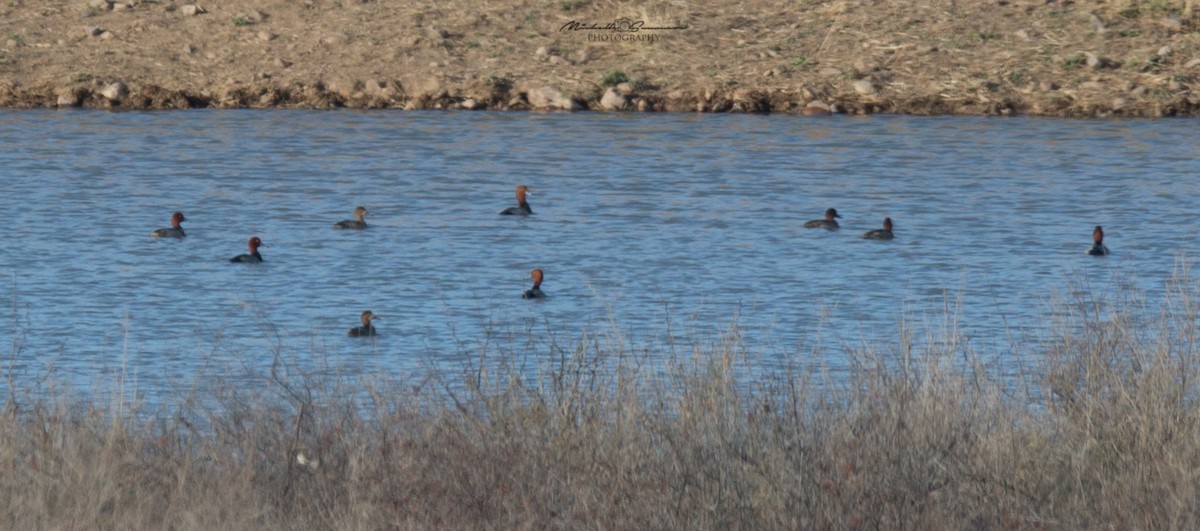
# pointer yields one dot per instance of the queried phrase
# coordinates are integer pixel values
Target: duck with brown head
(1098, 248)
(829, 223)
(356, 223)
(881, 234)
(367, 329)
(253, 257)
(175, 231)
(522, 208)
(536, 291)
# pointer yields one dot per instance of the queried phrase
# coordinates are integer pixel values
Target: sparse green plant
(802, 62)
(81, 78)
(1129, 33)
(1074, 61)
(240, 21)
(985, 36)
(613, 78)
(572, 5)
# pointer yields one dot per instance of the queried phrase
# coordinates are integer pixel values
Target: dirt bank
(998, 57)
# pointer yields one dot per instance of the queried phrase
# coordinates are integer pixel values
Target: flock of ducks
(830, 223)
(366, 329)
(522, 209)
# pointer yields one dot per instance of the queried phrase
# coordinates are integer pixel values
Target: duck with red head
(367, 329)
(829, 223)
(522, 208)
(881, 234)
(1098, 248)
(253, 257)
(174, 231)
(536, 291)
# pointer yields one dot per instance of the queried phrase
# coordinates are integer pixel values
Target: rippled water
(648, 224)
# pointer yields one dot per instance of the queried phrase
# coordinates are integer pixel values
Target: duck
(174, 231)
(1098, 248)
(880, 234)
(253, 257)
(829, 223)
(522, 208)
(356, 223)
(367, 329)
(536, 291)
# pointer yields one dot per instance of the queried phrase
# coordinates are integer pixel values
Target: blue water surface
(655, 232)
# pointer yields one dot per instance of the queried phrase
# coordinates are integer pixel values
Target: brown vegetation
(999, 57)
(1103, 431)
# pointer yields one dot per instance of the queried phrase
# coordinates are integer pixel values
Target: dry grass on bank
(1104, 434)
(1120, 58)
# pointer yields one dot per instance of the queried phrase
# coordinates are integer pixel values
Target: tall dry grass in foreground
(1105, 435)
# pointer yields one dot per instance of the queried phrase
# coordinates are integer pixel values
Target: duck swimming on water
(1098, 248)
(253, 257)
(175, 231)
(829, 223)
(881, 234)
(356, 223)
(536, 291)
(522, 208)
(367, 329)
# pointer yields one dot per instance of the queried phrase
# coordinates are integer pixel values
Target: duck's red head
(536, 275)
(887, 224)
(255, 243)
(366, 317)
(521, 191)
(830, 214)
(176, 218)
(1098, 235)
(359, 212)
